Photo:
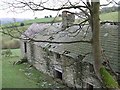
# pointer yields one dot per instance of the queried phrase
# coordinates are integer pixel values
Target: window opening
(58, 74)
(89, 86)
(25, 47)
(57, 56)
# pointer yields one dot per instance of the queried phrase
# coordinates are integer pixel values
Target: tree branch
(55, 42)
(39, 7)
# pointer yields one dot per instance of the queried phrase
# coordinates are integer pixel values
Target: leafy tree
(50, 16)
(35, 17)
(46, 17)
(59, 15)
(21, 24)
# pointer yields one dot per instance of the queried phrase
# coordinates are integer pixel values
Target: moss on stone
(108, 79)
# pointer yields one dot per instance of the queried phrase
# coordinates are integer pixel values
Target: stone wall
(29, 57)
(68, 70)
(22, 48)
(74, 72)
(39, 62)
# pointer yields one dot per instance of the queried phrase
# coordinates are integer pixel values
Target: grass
(11, 76)
(23, 76)
(8, 41)
(112, 16)
(42, 20)
(29, 22)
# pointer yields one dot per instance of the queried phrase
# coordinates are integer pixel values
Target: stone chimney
(67, 19)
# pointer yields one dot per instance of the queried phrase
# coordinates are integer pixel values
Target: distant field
(112, 16)
(9, 42)
(29, 22)
(42, 20)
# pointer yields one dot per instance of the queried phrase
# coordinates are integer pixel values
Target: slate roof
(109, 40)
(41, 28)
(108, 36)
(64, 36)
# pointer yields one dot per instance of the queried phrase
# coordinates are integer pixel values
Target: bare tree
(90, 15)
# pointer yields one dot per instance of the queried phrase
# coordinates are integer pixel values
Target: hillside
(111, 16)
(42, 20)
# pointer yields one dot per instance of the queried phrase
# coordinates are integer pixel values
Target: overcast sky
(40, 14)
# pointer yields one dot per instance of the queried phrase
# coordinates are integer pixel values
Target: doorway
(89, 87)
(58, 74)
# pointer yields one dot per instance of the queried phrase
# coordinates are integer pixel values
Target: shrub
(12, 44)
(21, 24)
(7, 53)
(50, 16)
(59, 15)
(15, 44)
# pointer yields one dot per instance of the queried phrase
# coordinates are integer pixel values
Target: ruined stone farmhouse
(70, 62)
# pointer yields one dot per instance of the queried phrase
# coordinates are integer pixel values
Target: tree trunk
(101, 72)
(95, 24)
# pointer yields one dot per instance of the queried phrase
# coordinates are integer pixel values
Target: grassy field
(42, 20)
(112, 16)
(29, 22)
(9, 42)
(12, 77)
(23, 76)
